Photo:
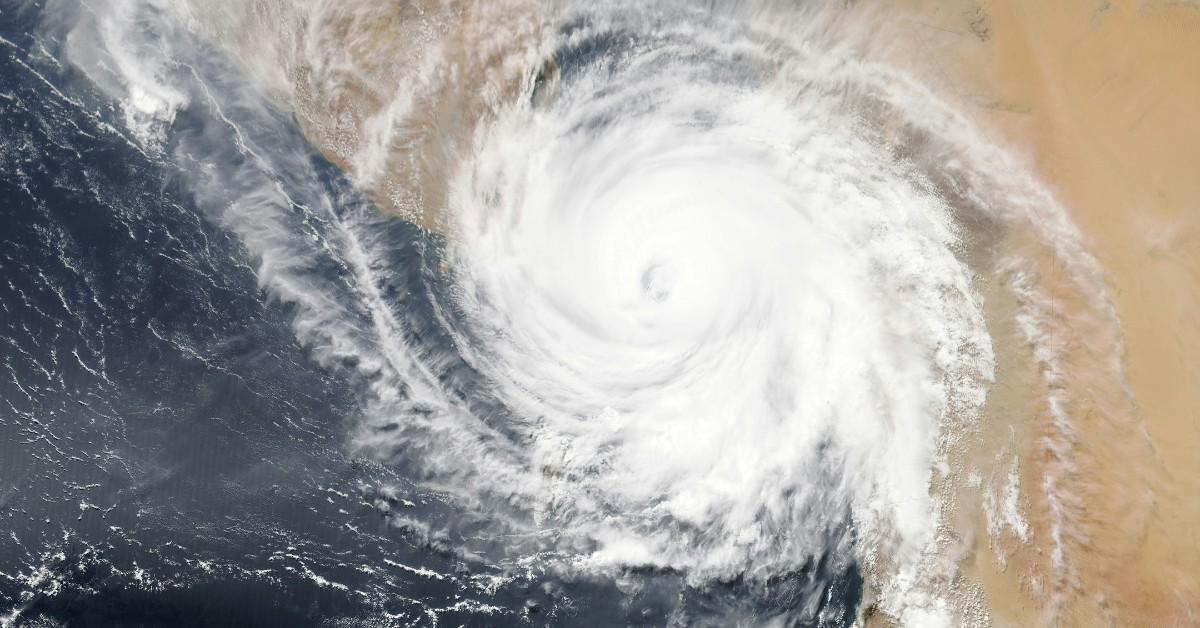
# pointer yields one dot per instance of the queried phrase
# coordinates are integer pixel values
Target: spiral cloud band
(720, 311)
(708, 297)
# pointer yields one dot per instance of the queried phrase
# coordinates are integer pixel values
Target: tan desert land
(1100, 97)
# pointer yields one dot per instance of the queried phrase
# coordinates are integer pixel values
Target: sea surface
(171, 453)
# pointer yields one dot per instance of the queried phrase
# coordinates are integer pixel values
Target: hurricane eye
(657, 283)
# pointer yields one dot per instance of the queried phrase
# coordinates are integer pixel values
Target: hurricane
(705, 302)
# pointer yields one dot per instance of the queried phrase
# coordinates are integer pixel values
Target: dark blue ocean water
(170, 454)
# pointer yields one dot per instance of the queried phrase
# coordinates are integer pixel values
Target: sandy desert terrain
(1099, 97)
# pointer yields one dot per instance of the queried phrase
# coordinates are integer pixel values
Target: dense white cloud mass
(719, 319)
